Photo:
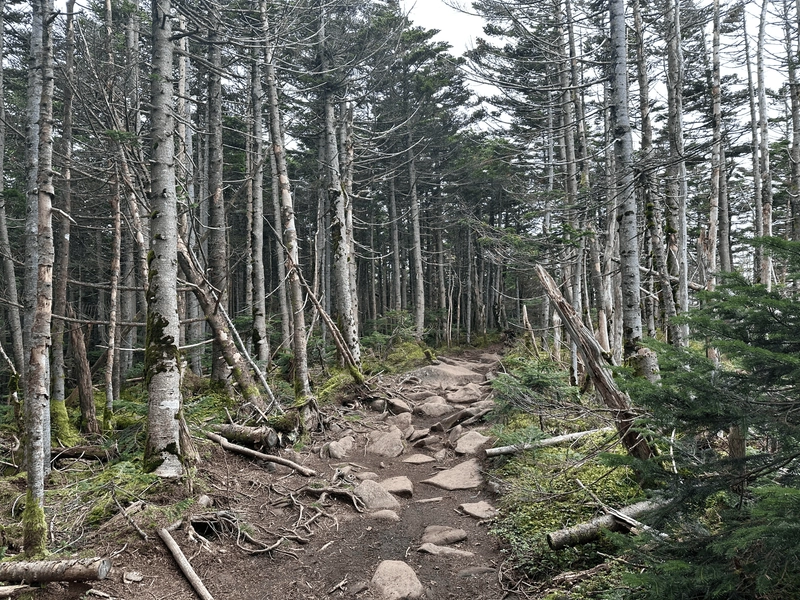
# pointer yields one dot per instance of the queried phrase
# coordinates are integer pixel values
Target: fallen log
(264, 437)
(184, 565)
(553, 441)
(94, 452)
(586, 532)
(260, 455)
(40, 571)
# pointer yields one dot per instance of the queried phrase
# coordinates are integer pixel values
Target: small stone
(398, 406)
(464, 476)
(395, 580)
(441, 455)
(401, 421)
(132, 577)
(455, 433)
(339, 449)
(479, 510)
(441, 535)
(205, 501)
(378, 405)
(471, 443)
(367, 476)
(399, 486)
(435, 400)
(387, 515)
(443, 551)
(358, 587)
(375, 497)
(418, 434)
(419, 459)
(386, 443)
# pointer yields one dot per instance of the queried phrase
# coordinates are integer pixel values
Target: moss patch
(34, 527)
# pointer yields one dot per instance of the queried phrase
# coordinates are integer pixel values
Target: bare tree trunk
(163, 451)
(302, 386)
(37, 384)
(758, 224)
(765, 268)
(626, 200)
(12, 310)
(83, 376)
(419, 278)
(717, 171)
(676, 172)
(217, 238)
(793, 230)
(397, 302)
(260, 335)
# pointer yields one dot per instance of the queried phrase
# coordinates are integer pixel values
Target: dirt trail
(335, 542)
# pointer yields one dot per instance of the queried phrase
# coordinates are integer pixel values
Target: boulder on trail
(434, 409)
(375, 497)
(386, 443)
(402, 421)
(384, 515)
(467, 394)
(471, 443)
(446, 376)
(419, 459)
(479, 510)
(397, 406)
(441, 535)
(464, 476)
(395, 580)
(340, 448)
(399, 486)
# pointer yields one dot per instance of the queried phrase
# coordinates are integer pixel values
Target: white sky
(457, 28)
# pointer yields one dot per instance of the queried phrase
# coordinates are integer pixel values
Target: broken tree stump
(40, 571)
(553, 441)
(586, 532)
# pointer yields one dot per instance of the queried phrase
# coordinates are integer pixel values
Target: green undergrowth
(542, 489)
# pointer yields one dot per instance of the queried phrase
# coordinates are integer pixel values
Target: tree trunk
(12, 309)
(83, 376)
(260, 335)
(37, 384)
(163, 452)
(765, 268)
(623, 149)
(419, 279)
(758, 224)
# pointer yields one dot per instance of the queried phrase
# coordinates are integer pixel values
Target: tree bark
(623, 150)
(586, 532)
(163, 452)
(83, 376)
(84, 569)
(419, 277)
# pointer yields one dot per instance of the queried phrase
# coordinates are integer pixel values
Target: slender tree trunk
(626, 200)
(756, 162)
(163, 450)
(794, 95)
(419, 279)
(676, 172)
(260, 335)
(397, 301)
(37, 388)
(12, 310)
(765, 268)
(217, 239)
(717, 172)
(302, 386)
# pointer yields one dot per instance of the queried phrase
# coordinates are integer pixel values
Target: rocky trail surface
(398, 508)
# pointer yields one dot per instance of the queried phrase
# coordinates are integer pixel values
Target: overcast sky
(457, 28)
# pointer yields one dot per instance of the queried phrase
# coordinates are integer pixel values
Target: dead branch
(264, 437)
(553, 441)
(184, 565)
(95, 452)
(6, 591)
(305, 471)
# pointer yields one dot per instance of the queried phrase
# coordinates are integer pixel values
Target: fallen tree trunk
(265, 437)
(553, 441)
(260, 455)
(40, 571)
(586, 532)
(593, 357)
(184, 565)
(94, 452)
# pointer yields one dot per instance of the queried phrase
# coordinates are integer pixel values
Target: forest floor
(267, 532)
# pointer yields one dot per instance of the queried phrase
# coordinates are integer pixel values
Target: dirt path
(419, 541)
